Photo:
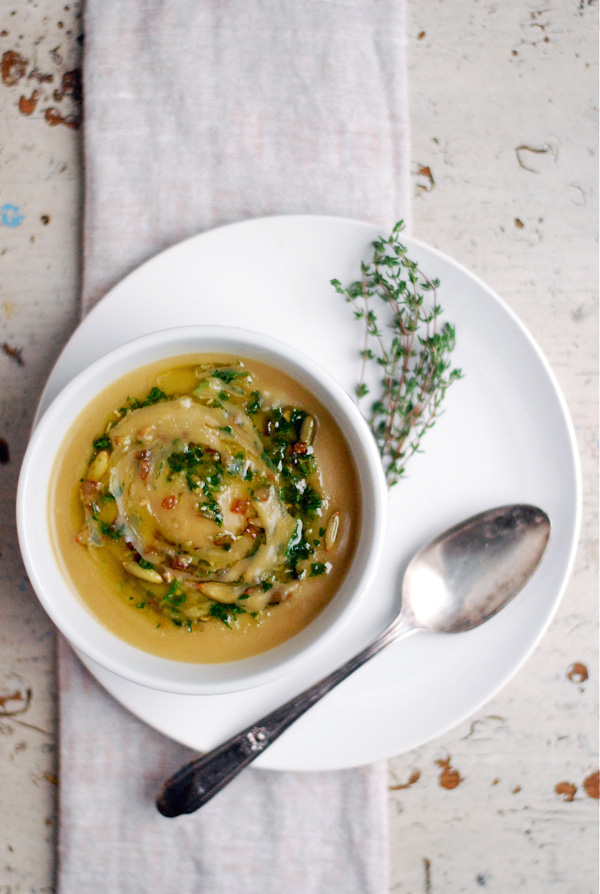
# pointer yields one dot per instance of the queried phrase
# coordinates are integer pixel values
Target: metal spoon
(455, 583)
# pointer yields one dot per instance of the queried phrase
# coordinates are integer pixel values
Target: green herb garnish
(311, 501)
(210, 509)
(153, 397)
(174, 596)
(413, 361)
(108, 530)
(228, 375)
(103, 443)
(226, 613)
(203, 470)
(254, 404)
(143, 563)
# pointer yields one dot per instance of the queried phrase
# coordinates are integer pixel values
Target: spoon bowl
(474, 569)
(455, 583)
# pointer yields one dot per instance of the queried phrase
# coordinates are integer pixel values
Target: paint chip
(13, 68)
(449, 778)
(27, 105)
(566, 789)
(591, 785)
(53, 118)
(16, 702)
(425, 172)
(414, 777)
(577, 672)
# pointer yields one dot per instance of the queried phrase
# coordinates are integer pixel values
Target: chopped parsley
(145, 564)
(191, 456)
(298, 550)
(174, 596)
(226, 613)
(103, 443)
(255, 403)
(228, 375)
(153, 397)
(108, 530)
(311, 501)
(210, 509)
(203, 469)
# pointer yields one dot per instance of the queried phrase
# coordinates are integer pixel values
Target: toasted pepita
(307, 430)
(331, 531)
(98, 466)
(226, 593)
(150, 575)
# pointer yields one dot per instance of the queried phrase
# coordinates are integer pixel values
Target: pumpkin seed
(225, 593)
(150, 575)
(98, 466)
(331, 531)
(307, 430)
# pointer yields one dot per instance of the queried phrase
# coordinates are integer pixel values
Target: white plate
(505, 437)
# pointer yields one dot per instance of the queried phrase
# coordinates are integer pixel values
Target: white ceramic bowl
(68, 611)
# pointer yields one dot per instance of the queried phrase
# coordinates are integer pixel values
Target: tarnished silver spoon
(455, 583)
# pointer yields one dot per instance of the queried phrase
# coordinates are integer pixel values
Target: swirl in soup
(205, 508)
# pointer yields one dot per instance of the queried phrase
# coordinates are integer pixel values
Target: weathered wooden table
(505, 162)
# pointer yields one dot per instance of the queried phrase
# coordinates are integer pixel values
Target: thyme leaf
(411, 350)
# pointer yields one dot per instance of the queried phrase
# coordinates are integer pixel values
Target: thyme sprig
(412, 352)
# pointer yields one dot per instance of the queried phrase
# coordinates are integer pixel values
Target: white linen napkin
(200, 113)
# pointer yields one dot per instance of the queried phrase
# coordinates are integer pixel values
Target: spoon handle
(197, 782)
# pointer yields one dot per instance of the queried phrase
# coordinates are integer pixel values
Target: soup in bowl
(200, 509)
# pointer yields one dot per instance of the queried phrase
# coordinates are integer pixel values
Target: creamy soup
(205, 508)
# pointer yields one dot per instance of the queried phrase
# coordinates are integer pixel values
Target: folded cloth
(200, 113)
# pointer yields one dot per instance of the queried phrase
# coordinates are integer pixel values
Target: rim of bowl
(66, 608)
